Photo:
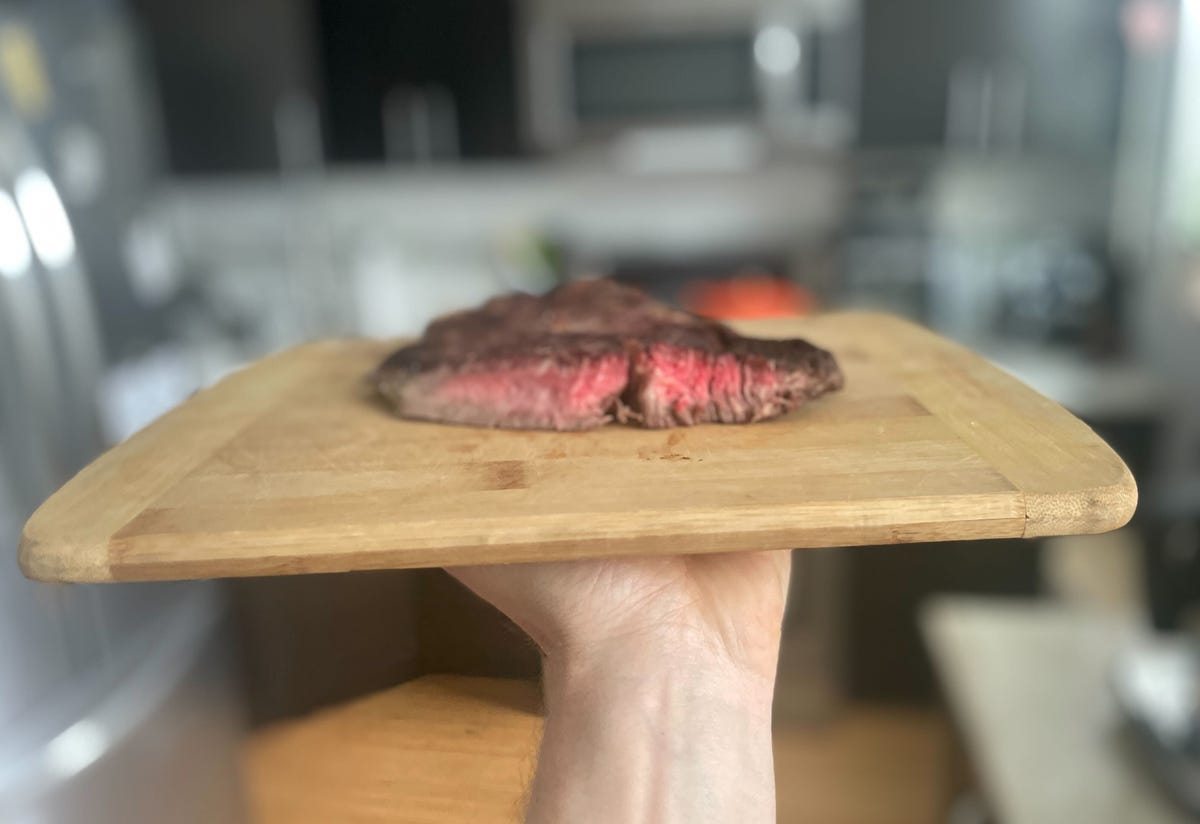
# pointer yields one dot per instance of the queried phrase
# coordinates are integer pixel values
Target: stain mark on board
(505, 475)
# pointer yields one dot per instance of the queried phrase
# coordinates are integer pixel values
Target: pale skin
(659, 675)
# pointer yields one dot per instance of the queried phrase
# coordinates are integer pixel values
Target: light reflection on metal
(76, 748)
(45, 218)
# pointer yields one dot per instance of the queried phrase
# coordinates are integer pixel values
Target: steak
(595, 351)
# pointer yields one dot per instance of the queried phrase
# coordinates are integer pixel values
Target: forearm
(654, 733)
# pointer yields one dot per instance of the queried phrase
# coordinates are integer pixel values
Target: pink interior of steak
(593, 350)
(522, 393)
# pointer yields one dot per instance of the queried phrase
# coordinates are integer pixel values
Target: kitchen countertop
(1095, 389)
(1029, 685)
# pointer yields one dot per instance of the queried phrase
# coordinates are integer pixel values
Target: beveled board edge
(990, 515)
(145, 467)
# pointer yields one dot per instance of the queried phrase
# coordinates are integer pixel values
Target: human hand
(659, 674)
(728, 606)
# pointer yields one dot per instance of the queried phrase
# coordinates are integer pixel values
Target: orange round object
(748, 296)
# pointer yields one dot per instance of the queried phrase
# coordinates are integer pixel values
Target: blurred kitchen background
(187, 186)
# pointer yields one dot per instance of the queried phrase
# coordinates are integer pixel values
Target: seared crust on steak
(593, 351)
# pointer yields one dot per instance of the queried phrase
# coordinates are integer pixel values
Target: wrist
(645, 731)
(748, 655)
(646, 668)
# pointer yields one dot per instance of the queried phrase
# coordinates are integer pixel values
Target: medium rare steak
(595, 351)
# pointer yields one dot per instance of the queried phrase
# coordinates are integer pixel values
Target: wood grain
(451, 749)
(292, 466)
(439, 749)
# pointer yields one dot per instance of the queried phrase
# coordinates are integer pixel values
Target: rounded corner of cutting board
(1070, 480)
(1089, 511)
(60, 561)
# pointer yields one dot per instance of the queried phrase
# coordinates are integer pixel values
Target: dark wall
(221, 67)
(368, 47)
(908, 50)
(1069, 54)
(307, 641)
(888, 585)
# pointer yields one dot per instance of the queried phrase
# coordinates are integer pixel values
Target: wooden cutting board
(292, 466)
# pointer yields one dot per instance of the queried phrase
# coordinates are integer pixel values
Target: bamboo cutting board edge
(142, 469)
(1027, 439)
(315, 557)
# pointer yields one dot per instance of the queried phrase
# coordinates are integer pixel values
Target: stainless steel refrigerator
(117, 702)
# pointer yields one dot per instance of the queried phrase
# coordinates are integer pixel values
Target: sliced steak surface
(594, 351)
